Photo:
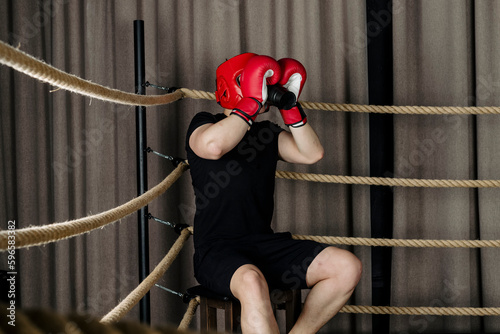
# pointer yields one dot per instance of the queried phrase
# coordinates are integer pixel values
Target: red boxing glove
(259, 72)
(293, 75)
(293, 79)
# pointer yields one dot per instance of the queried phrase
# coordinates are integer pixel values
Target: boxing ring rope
(386, 181)
(133, 298)
(188, 316)
(37, 69)
(379, 242)
(456, 311)
(38, 235)
(343, 107)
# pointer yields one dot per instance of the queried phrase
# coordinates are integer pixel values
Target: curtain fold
(65, 156)
(487, 81)
(437, 61)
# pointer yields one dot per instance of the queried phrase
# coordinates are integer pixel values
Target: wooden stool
(210, 302)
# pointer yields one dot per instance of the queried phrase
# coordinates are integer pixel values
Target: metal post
(140, 121)
(380, 87)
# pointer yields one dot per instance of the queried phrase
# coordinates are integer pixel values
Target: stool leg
(236, 315)
(293, 308)
(203, 314)
(212, 318)
(229, 317)
(208, 316)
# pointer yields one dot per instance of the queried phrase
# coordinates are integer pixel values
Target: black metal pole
(380, 86)
(142, 181)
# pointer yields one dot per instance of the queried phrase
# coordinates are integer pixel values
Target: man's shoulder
(206, 116)
(201, 118)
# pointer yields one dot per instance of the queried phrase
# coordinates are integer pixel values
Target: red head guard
(228, 92)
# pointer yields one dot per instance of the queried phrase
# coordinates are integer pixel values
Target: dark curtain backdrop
(65, 156)
(446, 53)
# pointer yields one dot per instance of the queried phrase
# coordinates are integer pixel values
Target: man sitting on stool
(233, 162)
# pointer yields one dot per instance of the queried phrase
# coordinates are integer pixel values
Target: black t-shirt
(235, 194)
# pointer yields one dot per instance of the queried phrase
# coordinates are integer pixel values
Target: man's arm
(300, 145)
(212, 141)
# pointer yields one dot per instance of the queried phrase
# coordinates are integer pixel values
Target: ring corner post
(141, 144)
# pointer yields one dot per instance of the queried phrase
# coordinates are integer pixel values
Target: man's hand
(302, 144)
(259, 72)
(293, 79)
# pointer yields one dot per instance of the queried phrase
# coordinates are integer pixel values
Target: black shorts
(282, 260)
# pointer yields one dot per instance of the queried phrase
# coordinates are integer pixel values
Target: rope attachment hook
(177, 227)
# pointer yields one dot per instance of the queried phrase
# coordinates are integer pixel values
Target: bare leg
(250, 287)
(333, 275)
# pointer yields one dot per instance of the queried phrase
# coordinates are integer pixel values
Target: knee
(353, 270)
(343, 267)
(349, 273)
(249, 283)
